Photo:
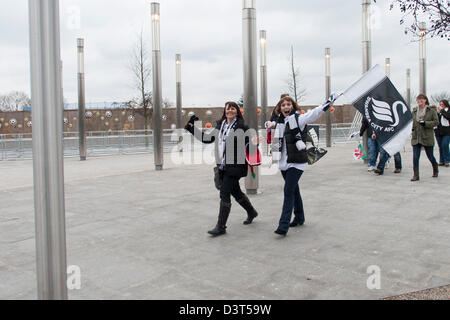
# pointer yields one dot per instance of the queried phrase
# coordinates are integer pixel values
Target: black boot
(251, 212)
(435, 171)
(416, 175)
(221, 226)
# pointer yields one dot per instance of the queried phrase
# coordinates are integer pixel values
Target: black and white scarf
(277, 146)
(224, 132)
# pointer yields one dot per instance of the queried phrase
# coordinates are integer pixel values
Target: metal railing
(103, 143)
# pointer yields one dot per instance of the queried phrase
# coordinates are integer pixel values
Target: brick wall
(105, 120)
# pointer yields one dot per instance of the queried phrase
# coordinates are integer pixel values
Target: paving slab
(137, 233)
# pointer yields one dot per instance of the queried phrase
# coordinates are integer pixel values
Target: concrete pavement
(141, 234)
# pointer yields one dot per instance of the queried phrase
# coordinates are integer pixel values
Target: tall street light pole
(423, 57)
(367, 49)
(81, 101)
(157, 88)
(388, 67)
(263, 62)
(48, 172)
(408, 87)
(179, 101)
(328, 92)
(250, 79)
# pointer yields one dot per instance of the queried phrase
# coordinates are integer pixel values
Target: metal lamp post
(388, 67)
(408, 87)
(263, 62)
(328, 92)
(423, 57)
(48, 172)
(179, 101)
(157, 88)
(179, 97)
(81, 101)
(366, 50)
(366, 36)
(250, 79)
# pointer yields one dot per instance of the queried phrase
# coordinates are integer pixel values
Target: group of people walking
(231, 136)
(428, 122)
(230, 133)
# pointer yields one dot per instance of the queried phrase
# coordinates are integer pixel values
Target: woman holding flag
(290, 152)
(228, 135)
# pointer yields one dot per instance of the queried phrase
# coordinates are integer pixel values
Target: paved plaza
(141, 234)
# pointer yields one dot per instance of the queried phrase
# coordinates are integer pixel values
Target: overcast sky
(208, 34)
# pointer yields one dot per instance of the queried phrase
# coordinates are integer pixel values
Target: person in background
(425, 119)
(443, 133)
(384, 156)
(372, 143)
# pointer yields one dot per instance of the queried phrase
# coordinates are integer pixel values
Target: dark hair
(233, 105)
(422, 96)
(445, 102)
(286, 98)
(284, 95)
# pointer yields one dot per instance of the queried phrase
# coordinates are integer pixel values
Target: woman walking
(290, 152)
(228, 136)
(443, 133)
(425, 120)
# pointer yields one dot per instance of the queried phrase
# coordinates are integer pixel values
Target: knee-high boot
(221, 226)
(251, 212)
(435, 171)
(416, 175)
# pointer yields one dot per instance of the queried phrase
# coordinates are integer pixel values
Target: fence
(103, 143)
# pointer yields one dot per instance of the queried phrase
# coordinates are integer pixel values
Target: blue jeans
(444, 152)
(292, 199)
(417, 149)
(384, 157)
(374, 149)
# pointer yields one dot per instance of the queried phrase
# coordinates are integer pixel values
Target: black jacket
(365, 126)
(236, 167)
(292, 136)
(443, 130)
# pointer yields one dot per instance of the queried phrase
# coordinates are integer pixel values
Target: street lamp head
(178, 59)
(263, 37)
(248, 4)
(155, 11)
(422, 29)
(155, 26)
(80, 42)
(327, 62)
(263, 41)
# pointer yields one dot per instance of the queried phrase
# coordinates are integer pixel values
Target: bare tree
(438, 97)
(14, 101)
(437, 12)
(293, 82)
(140, 65)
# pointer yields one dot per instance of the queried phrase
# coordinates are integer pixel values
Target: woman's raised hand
(192, 120)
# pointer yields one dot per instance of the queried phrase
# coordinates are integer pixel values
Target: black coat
(366, 126)
(443, 130)
(236, 167)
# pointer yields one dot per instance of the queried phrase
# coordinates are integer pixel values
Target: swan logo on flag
(384, 108)
(384, 112)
